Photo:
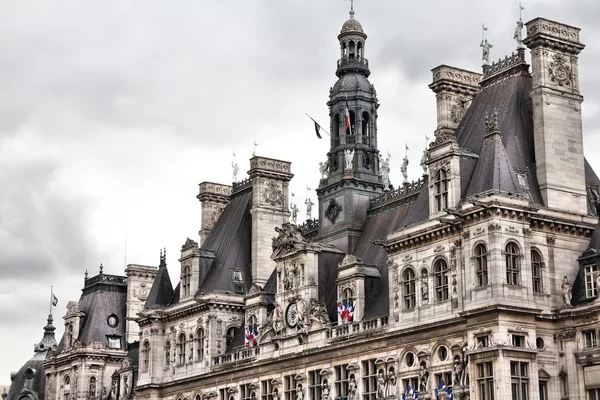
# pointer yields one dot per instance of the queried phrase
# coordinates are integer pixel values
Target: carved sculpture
(567, 292)
(325, 390)
(276, 394)
(324, 168)
(333, 210)
(518, 36)
(598, 285)
(349, 158)
(404, 169)
(302, 321)
(486, 46)
(384, 168)
(391, 387)
(424, 159)
(236, 168)
(299, 392)
(309, 205)
(318, 312)
(457, 372)
(294, 209)
(288, 279)
(352, 395)
(423, 378)
(380, 384)
(289, 239)
(275, 321)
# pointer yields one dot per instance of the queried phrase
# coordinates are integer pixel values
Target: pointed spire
(48, 342)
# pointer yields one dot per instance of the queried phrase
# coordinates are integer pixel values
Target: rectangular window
(114, 342)
(446, 376)
(245, 392)
(590, 272)
(519, 380)
(518, 341)
(314, 385)
(485, 380)
(543, 385)
(266, 390)
(593, 394)
(341, 382)
(289, 384)
(590, 338)
(482, 341)
(536, 272)
(223, 395)
(369, 379)
(413, 381)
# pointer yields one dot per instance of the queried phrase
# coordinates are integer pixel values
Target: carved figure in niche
(423, 378)
(349, 158)
(485, 47)
(352, 388)
(104, 393)
(276, 394)
(294, 209)
(390, 387)
(404, 169)
(325, 390)
(236, 169)
(113, 391)
(289, 238)
(567, 291)
(323, 168)
(384, 168)
(299, 393)
(275, 320)
(309, 205)
(302, 322)
(457, 372)
(424, 162)
(318, 312)
(288, 280)
(125, 393)
(380, 384)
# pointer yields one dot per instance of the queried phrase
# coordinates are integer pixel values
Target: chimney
(270, 209)
(454, 90)
(558, 137)
(213, 199)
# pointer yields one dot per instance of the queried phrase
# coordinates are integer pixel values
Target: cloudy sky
(112, 112)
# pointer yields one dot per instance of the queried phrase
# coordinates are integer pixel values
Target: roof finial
(163, 256)
(518, 36)
(101, 268)
(485, 46)
(491, 124)
(351, 9)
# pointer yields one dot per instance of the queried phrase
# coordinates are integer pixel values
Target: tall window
(181, 348)
(590, 272)
(593, 394)
(440, 275)
(543, 386)
(246, 392)
(231, 332)
(145, 356)
(485, 380)
(481, 264)
(289, 384)
(168, 353)
(92, 388)
(512, 264)
(69, 340)
(66, 387)
(365, 128)
(199, 344)
(409, 279)
(186, 278)
(369, 378)
(441, 190)
(341, 382)
(536, 271)
(336, 129)
(519, 380)
(314, 385)
(590, 339)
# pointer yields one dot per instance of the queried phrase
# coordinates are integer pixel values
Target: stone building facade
(480, 280)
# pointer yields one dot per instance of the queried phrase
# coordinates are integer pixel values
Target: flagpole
(313, 120)
(51, 294)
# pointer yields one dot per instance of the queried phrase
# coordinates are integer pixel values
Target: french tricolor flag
(348, 125)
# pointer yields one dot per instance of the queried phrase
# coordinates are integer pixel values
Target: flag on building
(346, 310)
(251, 337)
(410, 394)
(443, 392)
(318, 128)
(54, 300)
(347, 118)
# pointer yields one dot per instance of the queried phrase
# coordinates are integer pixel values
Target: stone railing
(310, 228)
(240, 355)
(405, 189)
(505, 64)
(241, 185)
(343, 331)
(353, 62)
(104, 278)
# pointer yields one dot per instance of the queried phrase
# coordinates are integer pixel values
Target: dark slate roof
(133, 352)
(162, 289)
(403, 212)
(595, 239)
(328, 271)
(230, 242)
(590, 175)
(510, 98)
(36, 384)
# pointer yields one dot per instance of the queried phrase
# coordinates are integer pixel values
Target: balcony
(352, 64)
(239, 356)
(345, 331)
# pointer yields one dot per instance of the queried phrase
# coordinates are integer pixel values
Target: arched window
(359, 48)
(440, 275)
(231, 332)
(352, 129)
(351, 50)
(513, 270)
(199, 344)
(92, 388)
(441, 190)
(168, 353)
(536, 271)
(409, 281)
(181, 348)
(145, 356)
(66, 389)
(69, 336)
(186, 278)
(365, 128)
(481, 265)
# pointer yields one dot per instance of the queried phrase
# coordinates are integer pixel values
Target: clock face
(112, 321)
(290, 315)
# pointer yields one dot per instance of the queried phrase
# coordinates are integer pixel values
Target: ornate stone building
(478, 281)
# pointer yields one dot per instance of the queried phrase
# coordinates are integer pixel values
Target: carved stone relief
(559, 71)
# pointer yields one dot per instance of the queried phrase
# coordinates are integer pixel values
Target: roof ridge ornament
(491, 124)
(518, 36)
(351, 9)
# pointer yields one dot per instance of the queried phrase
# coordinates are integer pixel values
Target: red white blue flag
(251, 337)
(346, 310)
(347, 118)
(443, 392)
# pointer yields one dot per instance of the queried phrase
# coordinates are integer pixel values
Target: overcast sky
(112, 112)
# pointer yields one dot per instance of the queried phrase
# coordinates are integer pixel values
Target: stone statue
(349, 157)
(384, 168)
(302, 322)
(318, 312)
(324, 168)
(309, 205)
(424, 162)
(104, 393)
(276, 394)
(423, 379)
(299, 393)
(380, 385)
(518, 36)
(457, 372)
(352, 388)
(277, 321)
(236, 168)
(567, 291)
(288, 279)
(294, 213)
(486, 46)
(390, 387)
(404, 169)
(325, 390)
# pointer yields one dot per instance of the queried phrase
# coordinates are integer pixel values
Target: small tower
(353, 162)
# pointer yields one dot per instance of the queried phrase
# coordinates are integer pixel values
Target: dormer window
(114, 342)
(589, 277)
(186, 279)
(440, 184)
(238, 277)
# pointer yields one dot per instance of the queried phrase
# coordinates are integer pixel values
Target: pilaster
(213, 199)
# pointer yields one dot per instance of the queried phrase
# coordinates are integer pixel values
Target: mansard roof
(230, 241)
(161, 293)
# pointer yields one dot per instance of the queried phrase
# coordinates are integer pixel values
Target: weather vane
(352, 8)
